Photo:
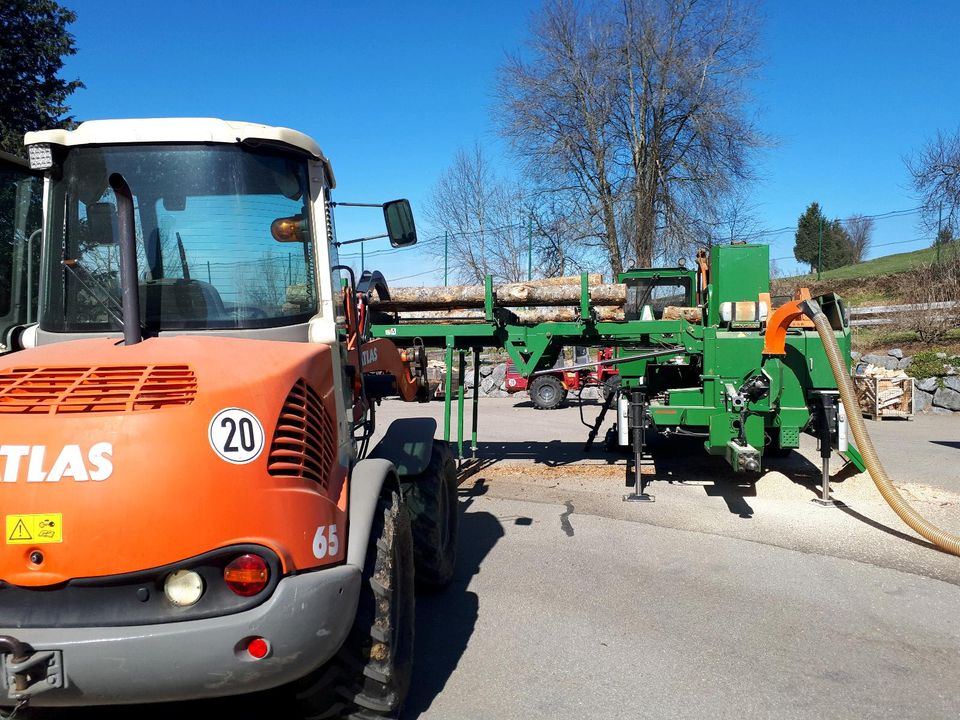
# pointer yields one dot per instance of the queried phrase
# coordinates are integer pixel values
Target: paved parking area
(538, 455)
(558, 614)
(721, 599)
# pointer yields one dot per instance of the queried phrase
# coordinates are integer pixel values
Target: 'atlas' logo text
(71, 462)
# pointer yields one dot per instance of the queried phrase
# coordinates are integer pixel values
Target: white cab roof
(157, 130)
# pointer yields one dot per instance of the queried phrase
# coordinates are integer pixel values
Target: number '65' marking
(326, 542)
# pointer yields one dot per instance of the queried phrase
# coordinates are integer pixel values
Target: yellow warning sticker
(31, 529)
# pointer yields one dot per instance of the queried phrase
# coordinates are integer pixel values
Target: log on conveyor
(533, 316)
(592, 279)
(690, 314)
(532, 294)
(525, 316)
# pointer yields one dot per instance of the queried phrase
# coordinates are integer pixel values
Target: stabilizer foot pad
(827, 503)
(643, 497)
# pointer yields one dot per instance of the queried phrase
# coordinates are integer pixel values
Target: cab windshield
(206, 256)
(655, 293)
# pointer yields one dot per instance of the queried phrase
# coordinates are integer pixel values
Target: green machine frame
(709, 378)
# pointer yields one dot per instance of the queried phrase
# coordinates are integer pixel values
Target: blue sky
(391, 90)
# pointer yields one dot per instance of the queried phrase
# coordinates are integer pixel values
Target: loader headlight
(41, 156)
(183, 587)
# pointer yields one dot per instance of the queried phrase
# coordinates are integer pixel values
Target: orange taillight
(247, 575)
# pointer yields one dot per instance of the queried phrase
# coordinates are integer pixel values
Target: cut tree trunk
(592, 279)
(534, 316)
(525, 316)
(513, 295)
(690, 314)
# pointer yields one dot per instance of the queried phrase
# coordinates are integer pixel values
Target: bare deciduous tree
(483, 219)
(733, 219)
(639, 107)
(561, 239)
(928, 288)
(860, 230)
(558, 112)
(936, 176)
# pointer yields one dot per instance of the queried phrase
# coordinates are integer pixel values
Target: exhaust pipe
(129, 283)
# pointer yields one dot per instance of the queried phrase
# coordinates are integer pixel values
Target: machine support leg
(826, 480)
(476, 400)
(827, 421)
(447, 382)
(636, 421)
(460, 402)
(825, 500)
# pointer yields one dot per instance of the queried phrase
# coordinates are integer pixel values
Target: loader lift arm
(382, 369)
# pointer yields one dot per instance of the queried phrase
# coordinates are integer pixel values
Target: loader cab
(232, 235)
(20, 222)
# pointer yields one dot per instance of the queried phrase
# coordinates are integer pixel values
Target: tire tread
(354, 685)
(434, 559)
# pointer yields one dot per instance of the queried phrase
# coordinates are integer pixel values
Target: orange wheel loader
(189, 507)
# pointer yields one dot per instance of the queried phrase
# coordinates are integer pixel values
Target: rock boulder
(946, 398)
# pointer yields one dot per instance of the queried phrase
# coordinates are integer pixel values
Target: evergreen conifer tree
(807, 239)
(33, 42)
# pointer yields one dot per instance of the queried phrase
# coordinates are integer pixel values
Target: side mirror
(398, 218)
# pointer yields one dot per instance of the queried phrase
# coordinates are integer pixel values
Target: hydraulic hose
(942, 539)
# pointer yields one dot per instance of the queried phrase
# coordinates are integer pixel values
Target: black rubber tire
(609, 386)
(431, 499)
(369, 677)
(547, 392)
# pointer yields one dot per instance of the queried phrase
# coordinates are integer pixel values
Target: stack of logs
(537, 301)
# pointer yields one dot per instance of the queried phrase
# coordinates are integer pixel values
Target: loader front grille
(304, 442)
(121, 388)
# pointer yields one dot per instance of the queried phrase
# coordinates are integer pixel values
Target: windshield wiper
(73, 266)
(184, 267)
(648, 293)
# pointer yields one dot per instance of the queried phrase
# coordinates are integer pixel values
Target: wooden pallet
(883, 397)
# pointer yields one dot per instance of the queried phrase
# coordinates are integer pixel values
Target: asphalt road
(723, 599)
(538, 455)
(558, 614)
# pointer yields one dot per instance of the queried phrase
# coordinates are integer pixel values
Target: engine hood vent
(121, 388)
(304, 444)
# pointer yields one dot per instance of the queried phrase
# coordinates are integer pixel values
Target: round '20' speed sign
(236, 435)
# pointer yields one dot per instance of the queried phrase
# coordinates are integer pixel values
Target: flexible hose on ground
(942, 539)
